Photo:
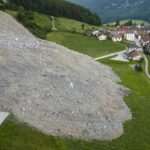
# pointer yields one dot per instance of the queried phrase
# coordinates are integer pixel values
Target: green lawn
(86, 45)
(17, 136)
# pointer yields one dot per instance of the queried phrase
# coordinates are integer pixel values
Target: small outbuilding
(135, 55)
(117, 38)
(101, 37)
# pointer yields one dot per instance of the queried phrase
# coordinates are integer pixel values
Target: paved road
(109, 55)
(146, 66)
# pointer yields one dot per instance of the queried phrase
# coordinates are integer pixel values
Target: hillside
(71, 34)
(52, 88)
(118, 9)
(62, 24)
(86, 45)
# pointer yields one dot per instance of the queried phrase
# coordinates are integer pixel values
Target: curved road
(145, 58)
(146, 66)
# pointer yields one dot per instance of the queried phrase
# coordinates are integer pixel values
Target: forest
(60, 8)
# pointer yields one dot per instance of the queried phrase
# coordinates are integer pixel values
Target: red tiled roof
(117, 36)
(134, 54)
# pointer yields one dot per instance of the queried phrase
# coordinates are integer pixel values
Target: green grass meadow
(86, 45)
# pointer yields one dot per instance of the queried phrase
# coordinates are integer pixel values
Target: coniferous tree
(60, 8)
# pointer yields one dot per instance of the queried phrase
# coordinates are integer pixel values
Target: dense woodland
(60, 8)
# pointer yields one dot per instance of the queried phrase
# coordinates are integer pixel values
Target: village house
(130, 36)
(117, 38)
(134, 55)
(147, 48)
(123, 30)
(132, 47)
(95, 32)
(101, 36)
(113, 32)
(142, 34)
(147, 29)
(145, 41)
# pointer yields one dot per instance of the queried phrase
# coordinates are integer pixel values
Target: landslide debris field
(56, 90)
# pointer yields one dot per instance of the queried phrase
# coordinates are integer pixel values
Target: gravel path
(146, 66)
(109, 55)
(56, 90)
(53, 24)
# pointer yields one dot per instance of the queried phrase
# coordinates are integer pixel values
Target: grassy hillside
(64, 24)
(42, 20)
(71, 34)
(86, 45)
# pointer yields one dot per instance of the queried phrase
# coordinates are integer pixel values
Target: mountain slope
(118, 9)
(56, 90)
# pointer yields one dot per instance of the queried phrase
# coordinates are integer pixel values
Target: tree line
(60, 8)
